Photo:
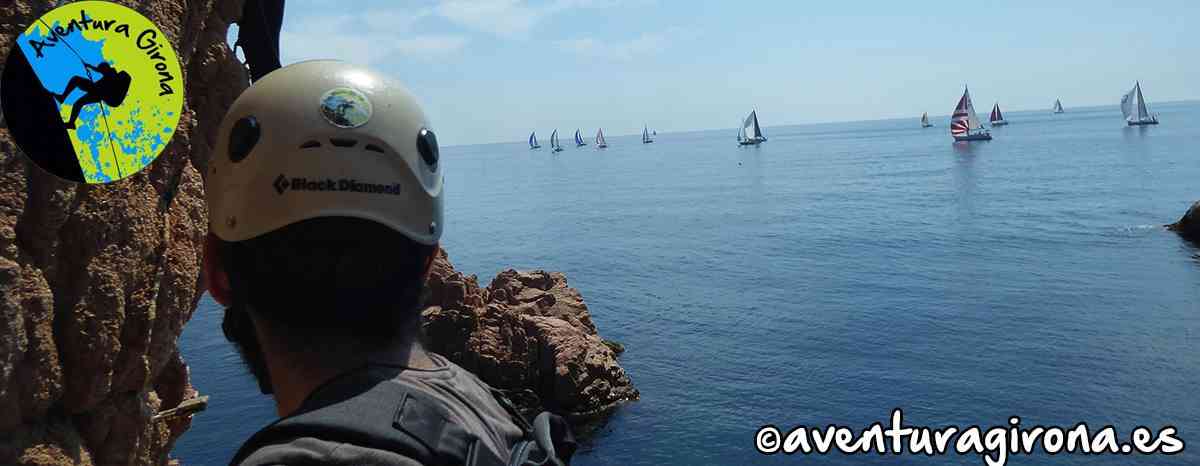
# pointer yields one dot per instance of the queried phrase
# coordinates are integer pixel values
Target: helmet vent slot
(428, 147)
(310, 145)
(342, 142)
(373, 148)
(243, 137)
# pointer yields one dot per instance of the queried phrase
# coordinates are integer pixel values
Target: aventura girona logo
(93, 91)
(283, 184)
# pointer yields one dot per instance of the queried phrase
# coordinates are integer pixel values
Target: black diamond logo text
(280, 184)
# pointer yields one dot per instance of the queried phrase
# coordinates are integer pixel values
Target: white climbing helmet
(324, 138)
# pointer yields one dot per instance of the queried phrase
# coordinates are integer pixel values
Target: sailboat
(925, 120)
(646, 135)
(533, 144)
(579, 142)
(996, 117)
(600, 142)
(965, 125)
(750, 133)
(1133, 106)
(554, 142)
(1058, 106)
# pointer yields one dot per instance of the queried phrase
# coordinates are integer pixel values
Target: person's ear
(437, 248)
(215, 277)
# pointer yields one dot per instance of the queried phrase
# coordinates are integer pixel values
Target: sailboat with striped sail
(600, 142)
(579, 142)
(965, 124)
(533, 144)
(1058, 106)
(554, 142)
(646, 139)
(997, 118)
(1133, 106)
(925, 120)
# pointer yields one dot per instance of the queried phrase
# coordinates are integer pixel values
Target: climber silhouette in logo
(111, 89)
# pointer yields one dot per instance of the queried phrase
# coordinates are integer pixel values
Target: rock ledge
(1189, 225)
(528, 333)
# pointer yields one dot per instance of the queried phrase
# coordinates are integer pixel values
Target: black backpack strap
(371, 408)
(258, 35)
(510, 408)
(550, 432)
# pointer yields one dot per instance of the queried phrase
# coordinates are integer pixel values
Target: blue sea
(835, 273)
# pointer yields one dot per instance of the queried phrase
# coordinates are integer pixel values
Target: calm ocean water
(836, 272)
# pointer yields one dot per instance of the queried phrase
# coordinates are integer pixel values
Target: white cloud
(331, 30)
(398, 19)
(363, 38)
(647, 43)
(512, 18)
(430, 45)
(508, 18)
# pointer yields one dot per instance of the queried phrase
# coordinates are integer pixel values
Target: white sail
(600, 138)
(925, 118)
(1058, 106)
(973, 119)
(1142, 113)
(1128, 102)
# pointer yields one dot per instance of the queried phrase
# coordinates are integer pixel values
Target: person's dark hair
(330, 285)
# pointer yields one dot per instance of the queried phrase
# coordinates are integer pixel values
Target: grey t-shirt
(468, 400)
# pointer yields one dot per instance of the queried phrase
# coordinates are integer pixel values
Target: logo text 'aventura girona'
(93, 91)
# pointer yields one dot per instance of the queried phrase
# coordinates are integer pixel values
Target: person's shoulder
(314, 451)
(448, 371)
(342, 422)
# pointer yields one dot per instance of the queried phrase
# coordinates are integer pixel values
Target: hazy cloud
(512, 18)
(396, 19)
(327, 30)
(364, 37)
(430, 45)
(647, 43)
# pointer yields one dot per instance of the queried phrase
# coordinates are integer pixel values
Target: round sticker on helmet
(92, 91)
(345, 108)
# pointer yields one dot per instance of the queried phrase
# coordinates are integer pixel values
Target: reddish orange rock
(528, 333)
(97, 281)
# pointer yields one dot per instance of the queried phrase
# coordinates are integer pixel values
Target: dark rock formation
(96, 282)
(1189, 226)
(527, 333)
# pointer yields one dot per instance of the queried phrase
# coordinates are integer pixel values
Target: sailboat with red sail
(965, 124)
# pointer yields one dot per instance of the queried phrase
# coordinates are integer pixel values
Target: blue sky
(493, 70)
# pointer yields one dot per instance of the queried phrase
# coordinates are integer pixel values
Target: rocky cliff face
(96, 282)
(527, 333)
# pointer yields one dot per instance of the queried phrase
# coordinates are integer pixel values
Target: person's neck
(294, 378)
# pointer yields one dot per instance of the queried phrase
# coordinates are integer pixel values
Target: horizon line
(816, 123)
